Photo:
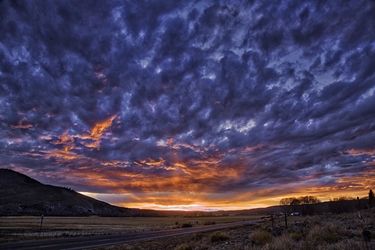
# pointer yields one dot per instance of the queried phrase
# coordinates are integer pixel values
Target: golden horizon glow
(212, 207)
(202, 202)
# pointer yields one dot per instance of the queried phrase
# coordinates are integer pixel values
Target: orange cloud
(25, 126)
(100, 127)
(64, 154)
(97, 133)
(91, 141)
(67, 141)
(356, 152)
(250, 149)
(151, 162)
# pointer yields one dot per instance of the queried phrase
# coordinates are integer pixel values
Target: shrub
(197, 236)
(218, 236)
(261, 237)
(346, 245)
(209, 223)
(281, 243)
(185, 246)
(297, 236)
(186, 225)
(327, 233)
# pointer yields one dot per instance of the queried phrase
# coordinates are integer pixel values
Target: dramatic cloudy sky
(190, 104)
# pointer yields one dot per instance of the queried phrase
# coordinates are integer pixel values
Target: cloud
(205, 97)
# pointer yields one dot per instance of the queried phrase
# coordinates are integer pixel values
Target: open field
(15, 228)
(319, 232)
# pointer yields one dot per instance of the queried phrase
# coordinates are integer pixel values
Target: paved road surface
(106, 240)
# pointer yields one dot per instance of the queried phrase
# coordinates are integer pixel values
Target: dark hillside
(22, 195)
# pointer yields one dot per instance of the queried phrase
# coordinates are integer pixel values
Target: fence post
(41, 223)
(286, 221)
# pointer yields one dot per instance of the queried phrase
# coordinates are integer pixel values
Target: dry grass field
(320, 232)
(15, 228)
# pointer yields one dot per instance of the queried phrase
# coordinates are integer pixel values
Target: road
(106, 240)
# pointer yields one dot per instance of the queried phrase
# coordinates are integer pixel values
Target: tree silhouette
(286, 204)
(371, 198)
(295, 204)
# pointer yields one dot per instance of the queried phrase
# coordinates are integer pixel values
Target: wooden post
(366, 235)
(41, 222)
(286, 221)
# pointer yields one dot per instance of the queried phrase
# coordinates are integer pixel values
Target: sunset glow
(190, 105)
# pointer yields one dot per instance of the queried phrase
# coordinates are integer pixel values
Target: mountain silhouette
(22, 195)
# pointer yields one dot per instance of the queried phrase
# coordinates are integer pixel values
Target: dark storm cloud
(221, 96)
